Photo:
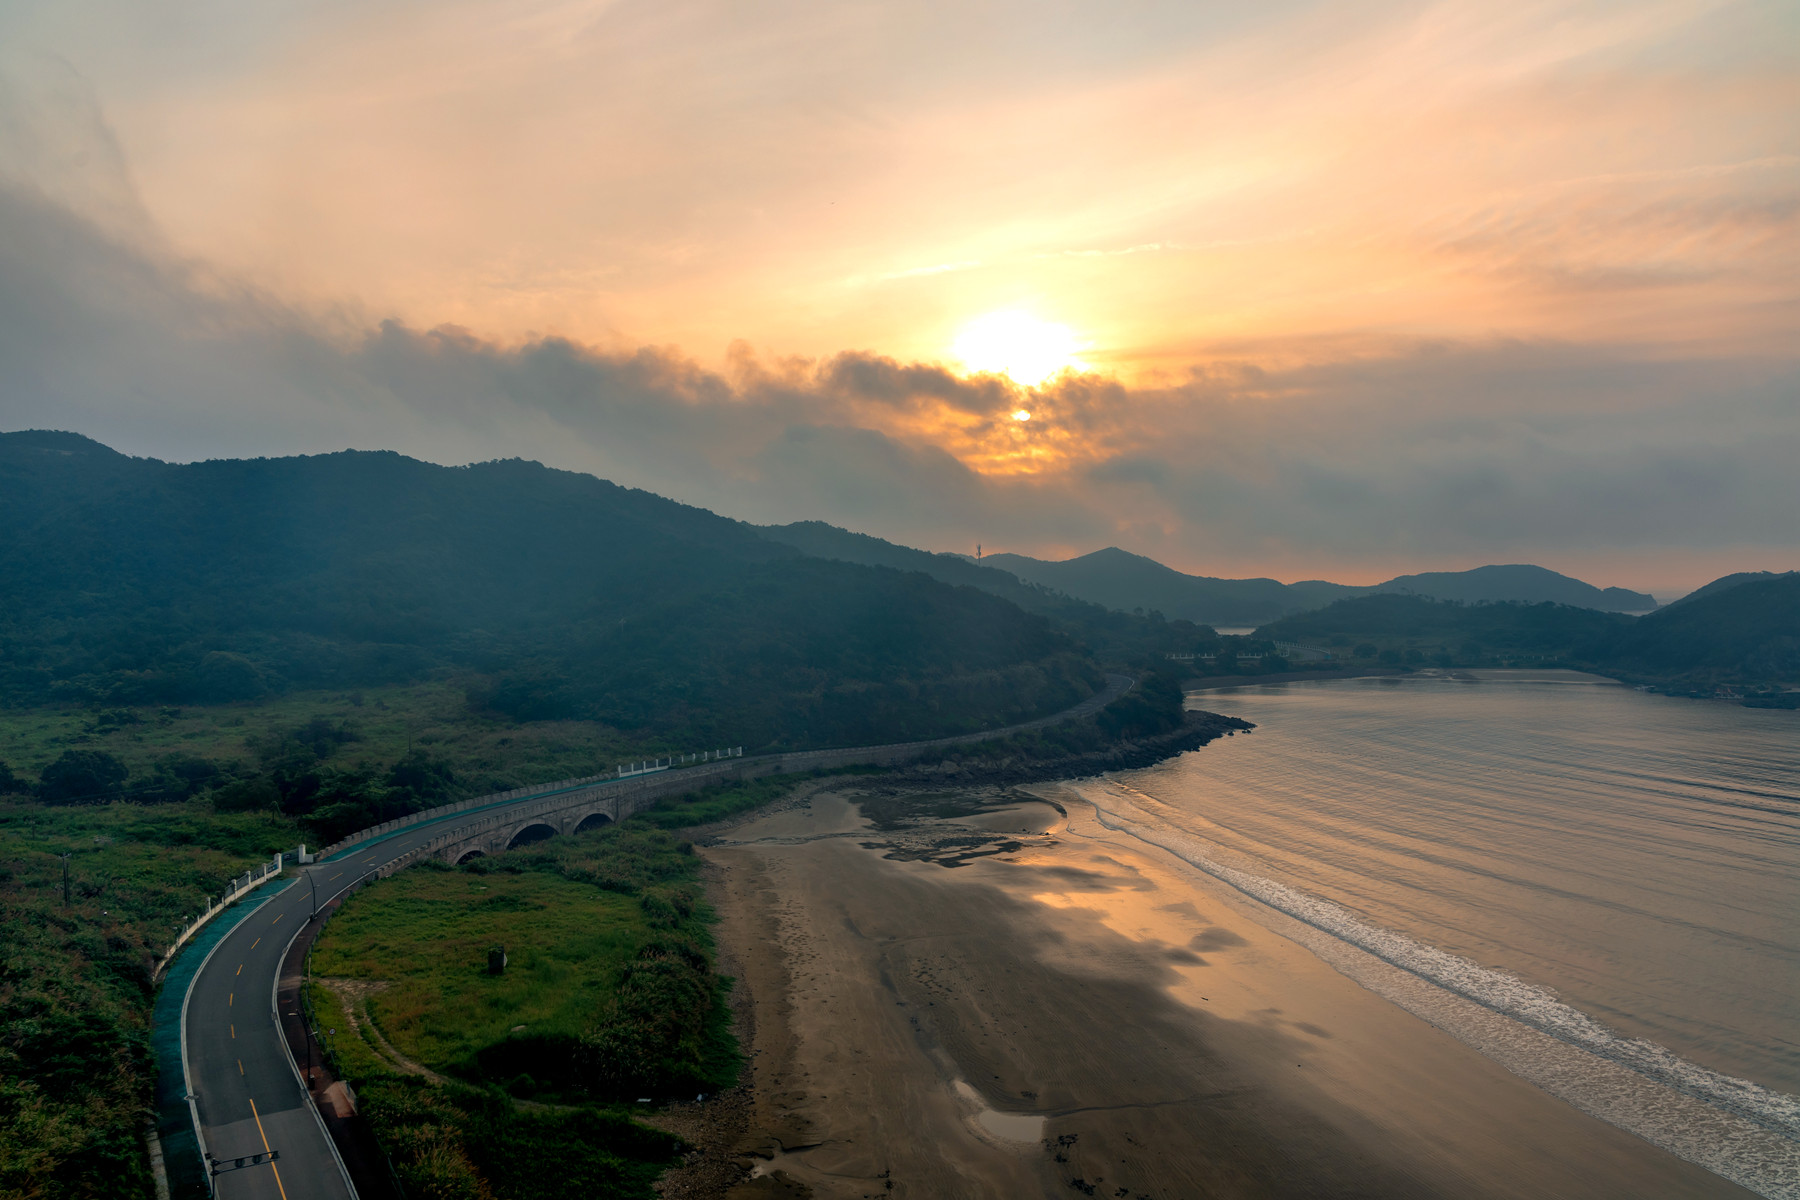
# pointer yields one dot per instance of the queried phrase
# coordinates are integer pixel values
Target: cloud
(1276, 459)
(821, 177)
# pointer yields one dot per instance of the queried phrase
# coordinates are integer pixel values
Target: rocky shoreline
(991, 764)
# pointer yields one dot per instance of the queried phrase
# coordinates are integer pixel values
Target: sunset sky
(1334, 290)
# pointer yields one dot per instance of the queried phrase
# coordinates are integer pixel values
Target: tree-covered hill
(1115, 635)
(1519, 583)
(1468, 634)
(133, 581)
(1724, 582)
(1745, 634)
(1122, 580)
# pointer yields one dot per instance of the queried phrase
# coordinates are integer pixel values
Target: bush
(649, 1036)
(247, 795)
(1154, 706)
(174, 777)
(82, 777)
(227, 677)
(11, 784)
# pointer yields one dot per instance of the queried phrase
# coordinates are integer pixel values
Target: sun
(1022, 347)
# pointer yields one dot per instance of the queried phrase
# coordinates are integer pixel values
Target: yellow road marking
(240, 969)
(339, 875)
(265, 1138)
(229, 1000)
(240, 1066)
(256, 943)
(278, 917)
(234, 1031)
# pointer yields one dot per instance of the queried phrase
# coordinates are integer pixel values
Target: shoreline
(1213, 683)
(972, 990)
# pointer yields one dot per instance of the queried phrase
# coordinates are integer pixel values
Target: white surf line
(1734, 1128)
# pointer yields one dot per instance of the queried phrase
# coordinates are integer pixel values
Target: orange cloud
(818, 178)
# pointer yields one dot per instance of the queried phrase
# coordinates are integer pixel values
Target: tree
(11, 783)
(82, 777)
(1154, 706)
(174, 777)
(225, 677)
(422, 778)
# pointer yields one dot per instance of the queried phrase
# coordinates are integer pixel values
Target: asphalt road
(247, 1093)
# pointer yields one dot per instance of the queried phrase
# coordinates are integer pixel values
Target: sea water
(1618, 870)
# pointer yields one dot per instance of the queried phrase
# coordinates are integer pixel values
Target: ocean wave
(1528, 1003)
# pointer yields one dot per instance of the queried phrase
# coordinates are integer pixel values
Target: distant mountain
(1727, 581)
(820, 540)
(1125, 581)
(131, 581)
(1420, 629)
(1744, 634)
(1116, 635)
(1518, 584)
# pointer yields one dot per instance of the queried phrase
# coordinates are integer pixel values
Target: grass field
(75, 976)
(607, 995)
(75, 990)
(426, 933)
(488, 753)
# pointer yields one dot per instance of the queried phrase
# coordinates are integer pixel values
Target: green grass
(607, 995)
(427, 932)
(718, 801)
(488, 753)
(75, 994)
(575, 913)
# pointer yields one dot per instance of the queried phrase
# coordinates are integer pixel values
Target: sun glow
(1018, 345)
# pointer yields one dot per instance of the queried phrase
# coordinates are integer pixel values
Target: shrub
(82, 777)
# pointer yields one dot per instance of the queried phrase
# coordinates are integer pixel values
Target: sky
(1303, 290)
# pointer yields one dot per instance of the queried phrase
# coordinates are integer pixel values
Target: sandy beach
(969, 993)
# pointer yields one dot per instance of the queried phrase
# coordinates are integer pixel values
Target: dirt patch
(355, 994)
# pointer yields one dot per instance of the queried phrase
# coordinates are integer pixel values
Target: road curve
(243, 1086)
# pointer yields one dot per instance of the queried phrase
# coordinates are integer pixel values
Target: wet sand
(972, 996)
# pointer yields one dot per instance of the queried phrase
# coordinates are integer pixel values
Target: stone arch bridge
(489, 825)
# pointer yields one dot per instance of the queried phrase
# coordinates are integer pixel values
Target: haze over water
(1636, 854)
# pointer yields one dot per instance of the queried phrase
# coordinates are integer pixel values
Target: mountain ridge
(132, 581)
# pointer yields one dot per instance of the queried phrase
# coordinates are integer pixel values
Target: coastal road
(247, 1094)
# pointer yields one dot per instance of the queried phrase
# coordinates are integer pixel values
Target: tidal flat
(985, 993)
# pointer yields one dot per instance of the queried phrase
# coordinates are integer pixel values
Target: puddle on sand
(1013, 1127)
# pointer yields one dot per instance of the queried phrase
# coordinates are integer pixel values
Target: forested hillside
(1114, 634)
(130, 581)
(1125, 581)
(1749, 631)
(1744, 636)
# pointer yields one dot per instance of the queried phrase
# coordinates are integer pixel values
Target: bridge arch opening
(470, 856)
(531, 835)
(593, 821)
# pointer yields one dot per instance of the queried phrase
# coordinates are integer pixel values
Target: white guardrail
(240, 887)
